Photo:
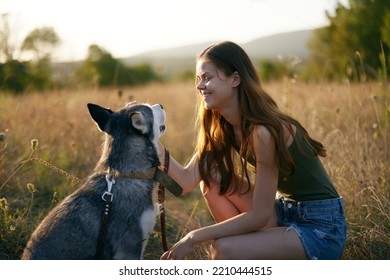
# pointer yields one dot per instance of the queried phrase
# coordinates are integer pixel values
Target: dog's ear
(138, 121)
(100, 115)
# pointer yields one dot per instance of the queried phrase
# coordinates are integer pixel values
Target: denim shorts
(320, 224)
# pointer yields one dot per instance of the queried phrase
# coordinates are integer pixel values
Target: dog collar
(156, 174)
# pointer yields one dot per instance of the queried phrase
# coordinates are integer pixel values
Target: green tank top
(310, 180)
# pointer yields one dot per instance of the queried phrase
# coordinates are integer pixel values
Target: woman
(242, 127)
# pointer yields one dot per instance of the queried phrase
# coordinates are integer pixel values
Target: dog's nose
(162, 107)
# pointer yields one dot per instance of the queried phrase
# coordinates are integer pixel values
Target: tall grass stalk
(34, 146)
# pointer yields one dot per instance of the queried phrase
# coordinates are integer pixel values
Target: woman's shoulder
(262, 135)
(263, 145)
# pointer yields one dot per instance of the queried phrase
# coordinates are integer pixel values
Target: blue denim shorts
(320, 224)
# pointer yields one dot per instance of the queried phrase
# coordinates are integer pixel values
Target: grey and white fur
(71, 229)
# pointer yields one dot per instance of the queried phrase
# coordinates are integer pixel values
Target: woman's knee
(221, 249)
(203, 188)
(209, 190)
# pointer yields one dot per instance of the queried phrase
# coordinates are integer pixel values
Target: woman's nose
(200, 85)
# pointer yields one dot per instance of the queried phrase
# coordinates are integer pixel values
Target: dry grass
(351, 121)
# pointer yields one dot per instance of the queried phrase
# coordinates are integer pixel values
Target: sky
(129, 27)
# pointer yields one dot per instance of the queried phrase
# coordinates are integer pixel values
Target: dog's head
(142, 118)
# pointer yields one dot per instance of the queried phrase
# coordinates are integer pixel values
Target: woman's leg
(267, 244)
(223, 207)
(270, 242)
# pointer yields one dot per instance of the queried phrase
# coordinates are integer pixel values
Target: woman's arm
(262, 207)
(187, 177)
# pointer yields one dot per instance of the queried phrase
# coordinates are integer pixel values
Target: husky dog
(117, 190)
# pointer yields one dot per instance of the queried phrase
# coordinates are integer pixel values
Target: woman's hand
(161, 152)
(131, 103)
(180, 249)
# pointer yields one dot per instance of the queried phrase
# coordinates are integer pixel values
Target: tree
(100, 68)
(14, 76)
(6, 49)
(272, 70)
(351, 45)
(41, 42)
(17, 76)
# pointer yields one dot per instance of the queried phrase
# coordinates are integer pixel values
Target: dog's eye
(162, 128)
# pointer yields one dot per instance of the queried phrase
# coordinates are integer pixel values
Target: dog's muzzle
(162, 128)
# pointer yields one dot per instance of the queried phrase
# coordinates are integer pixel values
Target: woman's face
(217, 90)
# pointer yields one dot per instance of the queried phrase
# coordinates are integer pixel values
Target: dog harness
(154, 173)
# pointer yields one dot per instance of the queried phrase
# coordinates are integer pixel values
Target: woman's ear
(236, 79)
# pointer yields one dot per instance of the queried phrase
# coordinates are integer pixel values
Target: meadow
(48, 142)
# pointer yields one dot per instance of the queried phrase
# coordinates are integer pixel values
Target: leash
(107, 198)
(154, 173)
(161, 201)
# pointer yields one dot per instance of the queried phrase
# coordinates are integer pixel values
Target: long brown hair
(215, 145)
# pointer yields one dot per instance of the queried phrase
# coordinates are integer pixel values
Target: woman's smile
(205, 94)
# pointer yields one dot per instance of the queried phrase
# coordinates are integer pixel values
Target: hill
(181, 58)
(284, 44)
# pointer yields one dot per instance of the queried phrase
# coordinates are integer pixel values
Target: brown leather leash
(161, 201)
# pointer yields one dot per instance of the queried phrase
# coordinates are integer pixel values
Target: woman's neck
(232, 115)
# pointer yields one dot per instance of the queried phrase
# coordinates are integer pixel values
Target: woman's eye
(203, 78)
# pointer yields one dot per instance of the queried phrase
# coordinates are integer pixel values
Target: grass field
(352, 120)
